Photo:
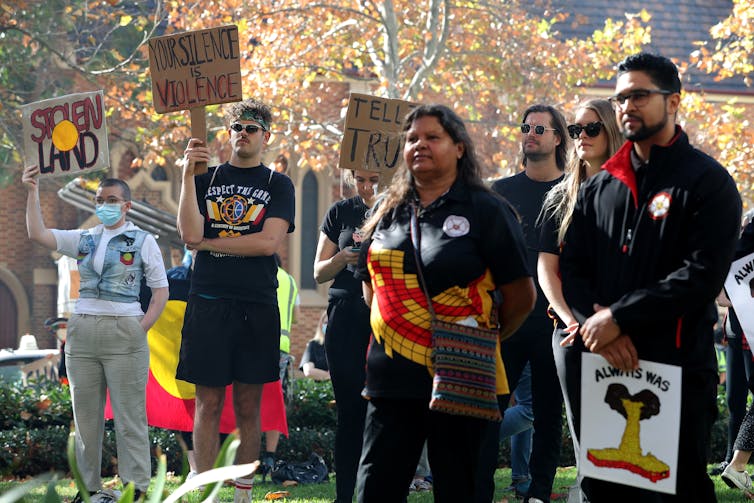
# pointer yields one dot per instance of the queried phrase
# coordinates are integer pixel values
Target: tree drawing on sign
(629, 456)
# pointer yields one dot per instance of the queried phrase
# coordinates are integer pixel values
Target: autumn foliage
(487, 59)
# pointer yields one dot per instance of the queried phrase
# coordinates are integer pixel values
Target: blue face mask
(108, 214)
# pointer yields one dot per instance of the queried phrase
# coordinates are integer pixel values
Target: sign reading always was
(195, 69)
(630, 423)
(372, 138)
(66, 135)
(739, 285)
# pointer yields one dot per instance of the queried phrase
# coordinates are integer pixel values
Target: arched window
(309, 208)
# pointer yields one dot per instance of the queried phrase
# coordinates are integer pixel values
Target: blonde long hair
(561, 199)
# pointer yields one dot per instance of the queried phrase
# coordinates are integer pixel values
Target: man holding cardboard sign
(236, 215)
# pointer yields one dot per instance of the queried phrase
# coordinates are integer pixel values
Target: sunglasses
(592, 129)
(250, 129)
(540, 130)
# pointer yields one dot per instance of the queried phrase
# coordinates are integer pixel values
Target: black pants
(346, 342)
(394, 436)
(739, 379)
(698, 413)
(532, 343)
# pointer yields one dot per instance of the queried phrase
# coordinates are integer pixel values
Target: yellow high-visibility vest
(287, 293)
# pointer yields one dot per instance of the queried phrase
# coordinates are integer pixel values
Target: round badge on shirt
(660, 205)
(455, 226)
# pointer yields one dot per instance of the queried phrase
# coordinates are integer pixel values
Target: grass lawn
(325, 493)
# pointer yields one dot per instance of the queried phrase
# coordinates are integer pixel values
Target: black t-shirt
(315, 353)
(342, 225)
(527, 196)
(548, 235)
(471, 243)
(235, 203)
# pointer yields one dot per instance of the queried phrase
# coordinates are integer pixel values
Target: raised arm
(190, 220)
(35, 225)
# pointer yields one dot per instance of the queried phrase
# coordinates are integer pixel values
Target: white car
(22, 364)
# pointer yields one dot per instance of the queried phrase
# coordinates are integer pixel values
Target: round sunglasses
(592, 129)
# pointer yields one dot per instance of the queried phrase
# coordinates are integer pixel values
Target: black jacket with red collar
(655, 246)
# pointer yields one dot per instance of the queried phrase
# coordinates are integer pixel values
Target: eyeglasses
(540, 130)
(250, 129)
(592, 129)
(639, 98)
(98, 201)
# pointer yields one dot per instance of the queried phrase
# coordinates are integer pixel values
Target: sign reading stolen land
(195, 69)
(66, 135)
(372, 139)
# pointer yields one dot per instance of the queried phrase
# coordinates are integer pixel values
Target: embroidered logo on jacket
(660, 205)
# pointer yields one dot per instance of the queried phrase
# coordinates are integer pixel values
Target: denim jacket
(122, 270)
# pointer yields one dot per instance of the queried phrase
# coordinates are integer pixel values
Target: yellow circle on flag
(164, 346)
(65, 135)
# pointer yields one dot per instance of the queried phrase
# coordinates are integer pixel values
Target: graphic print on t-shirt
(234, 210)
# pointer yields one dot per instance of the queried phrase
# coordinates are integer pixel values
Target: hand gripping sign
(66, 135)
(191, 70)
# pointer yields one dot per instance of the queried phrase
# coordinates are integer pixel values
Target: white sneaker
(242, 496)
(535, 500)
(734, 478)
(105, 496)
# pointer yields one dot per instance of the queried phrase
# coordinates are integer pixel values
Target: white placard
(739, 285)
(630, 423)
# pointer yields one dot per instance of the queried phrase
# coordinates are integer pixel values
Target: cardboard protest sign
(66, 135)
(739, 285)
(372, 138)
(194, 69)
(630, 423)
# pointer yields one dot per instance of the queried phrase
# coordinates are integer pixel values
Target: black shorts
(226, 340)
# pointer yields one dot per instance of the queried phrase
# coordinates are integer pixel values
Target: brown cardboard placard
(372, 138)
(66, 135)
(195, 68)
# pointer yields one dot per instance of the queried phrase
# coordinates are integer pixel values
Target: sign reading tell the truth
(372, 139)
(195, 69)
(66, 135)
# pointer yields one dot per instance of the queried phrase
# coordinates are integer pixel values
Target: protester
(739, 370)
(236, 216)
(734, 474)
(544, 147)
(597, 137)
(106, 344)
(314, 361)
(471, 247)
(348, 328)
(647, 250)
